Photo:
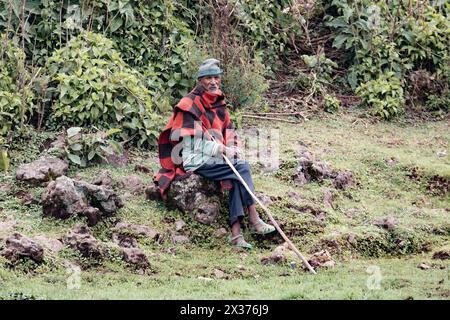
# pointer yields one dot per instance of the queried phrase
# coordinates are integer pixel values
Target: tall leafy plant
(15, 93)
(92, 86)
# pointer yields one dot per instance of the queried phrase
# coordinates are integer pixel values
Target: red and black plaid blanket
(198, 106)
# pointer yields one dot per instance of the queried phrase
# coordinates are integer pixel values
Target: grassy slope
(383, 190)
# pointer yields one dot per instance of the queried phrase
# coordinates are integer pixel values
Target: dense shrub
(15, 94)
(269, 25)
(82, 147)
(384, 37)
(93, 86)
(244, 81)
(151, 35)
(383, 95)
(331, 103)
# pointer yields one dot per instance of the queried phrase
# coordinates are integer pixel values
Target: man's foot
(260, 227)
(239, 242)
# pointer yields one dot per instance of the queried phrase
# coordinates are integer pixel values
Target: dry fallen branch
(269, 118)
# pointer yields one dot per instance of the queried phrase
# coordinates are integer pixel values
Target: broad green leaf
(91, 155)
(339, 41)
(74, 158)
(73, 131)
(116, 23)
(76, 147)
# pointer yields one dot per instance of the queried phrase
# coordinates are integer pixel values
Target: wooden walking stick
(283, 235)
(270, 216)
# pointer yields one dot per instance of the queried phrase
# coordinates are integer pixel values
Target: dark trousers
(239, 196)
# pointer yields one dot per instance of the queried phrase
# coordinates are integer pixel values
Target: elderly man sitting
(201, 123)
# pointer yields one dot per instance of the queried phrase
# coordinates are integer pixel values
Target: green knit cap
(209, 67)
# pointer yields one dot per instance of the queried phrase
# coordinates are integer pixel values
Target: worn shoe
(241, 243)
(261, 227)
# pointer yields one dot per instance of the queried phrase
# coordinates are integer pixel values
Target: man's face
(210, 83)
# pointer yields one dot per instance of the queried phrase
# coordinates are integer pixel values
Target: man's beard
(213, 88)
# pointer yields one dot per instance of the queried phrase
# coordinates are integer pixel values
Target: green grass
(342, 141)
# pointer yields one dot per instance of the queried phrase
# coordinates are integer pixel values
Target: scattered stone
(92, 214)
(66, 197)
(205, 278)
(294, 195)
(42, 170)
(219, 274)
(61, 199)
(152, 192)
(104, 179)
(180, 239)
(423, 266)
(343, 180)
(19, 246)
(51, 244)
(387, 223)
(310, 169)
(81, 239)
(220, 233)
(196, 195)
(124, 240)
(179, 224)
(391, 162)
(7, 226)
(328, 198)
(5, 188)
(133, 184)
(266, 200)
(442, 255)
(207, 212)
(332, 243)
(322, 259)
(279, 255)
(351, 238)
(142, 168)
(136, 229)
(316, 212)
(427, 247)
(442, 153)
(135, 256)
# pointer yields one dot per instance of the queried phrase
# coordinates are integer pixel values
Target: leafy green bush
(392, 36)
(15, 95)
(315, 77)
(152, 36)
(268, 25)
(93, 86)
(331, 103)
(438, 103)
(381, 56)
(83, 148)
(244, 80)
(4, 158)
(320, 64)
(383, 95)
